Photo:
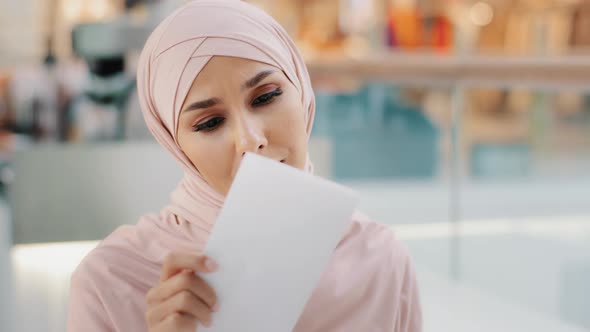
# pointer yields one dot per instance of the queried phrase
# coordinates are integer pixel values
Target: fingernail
(215, 307)
(211, 264)
(207, 323)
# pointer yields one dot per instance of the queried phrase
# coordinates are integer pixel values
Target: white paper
(272, 240)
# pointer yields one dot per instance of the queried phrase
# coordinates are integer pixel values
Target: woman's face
(236, 106)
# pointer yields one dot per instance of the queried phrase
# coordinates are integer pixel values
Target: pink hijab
(369, 284)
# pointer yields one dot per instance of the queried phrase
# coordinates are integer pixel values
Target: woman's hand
(181, 299)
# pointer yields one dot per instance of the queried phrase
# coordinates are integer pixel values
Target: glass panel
(524, 197)
(392, 143)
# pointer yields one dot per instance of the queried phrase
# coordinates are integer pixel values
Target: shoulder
(377, 236)
(377, 241)
(105, 262)
(96, 287)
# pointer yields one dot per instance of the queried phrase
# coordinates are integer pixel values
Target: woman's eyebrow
(202, 104)
(256, 79)
(214, 101)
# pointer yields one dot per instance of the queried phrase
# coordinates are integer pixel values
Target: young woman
(217, 79)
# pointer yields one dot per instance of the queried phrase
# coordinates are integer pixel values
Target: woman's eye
(209, 124)
(267, 98)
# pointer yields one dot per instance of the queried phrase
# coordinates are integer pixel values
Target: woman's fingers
(184, 302)
(177, 262)
(186, 280)
(181, 298)
(178, 323)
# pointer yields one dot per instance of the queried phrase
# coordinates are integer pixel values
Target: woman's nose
(250, 137)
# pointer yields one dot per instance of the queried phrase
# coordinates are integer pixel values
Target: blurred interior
(464, 124)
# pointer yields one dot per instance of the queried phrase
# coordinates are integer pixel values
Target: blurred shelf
(571, 72)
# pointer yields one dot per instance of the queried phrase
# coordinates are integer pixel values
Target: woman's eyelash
(209, 124)
(267, 97)
(262, 100)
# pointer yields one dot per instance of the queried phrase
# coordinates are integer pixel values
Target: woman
(216, 79)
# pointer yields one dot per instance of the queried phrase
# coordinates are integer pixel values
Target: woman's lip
(283, 160)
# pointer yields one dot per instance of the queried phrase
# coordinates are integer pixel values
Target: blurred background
(464, 124)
